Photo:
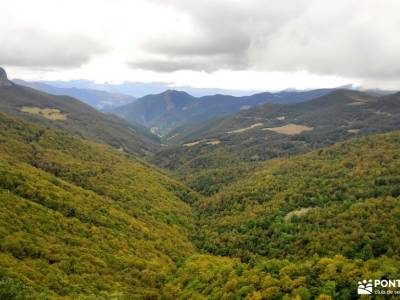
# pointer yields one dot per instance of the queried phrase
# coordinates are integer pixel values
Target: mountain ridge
(211, 154)
(76, 117)
(166, 111)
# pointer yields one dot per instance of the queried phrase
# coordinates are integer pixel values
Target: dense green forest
(79, 218)
(305, 227)
(292, 217)
(294, 207)
(215, 277)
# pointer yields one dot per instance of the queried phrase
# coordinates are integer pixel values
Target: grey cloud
(195, 54)
(349, 38)
(160, 65)
(38, 48)
(204, 43)
(224, 32)
(353, 38)
(206, 63)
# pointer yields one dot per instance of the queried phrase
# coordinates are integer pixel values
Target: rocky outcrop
(3, 78)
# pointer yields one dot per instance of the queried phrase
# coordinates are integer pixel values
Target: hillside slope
(308, 227)
(69, 114)
(79, 218)
(166, 111)
(159, 112)
(344, 199)
(211, 155)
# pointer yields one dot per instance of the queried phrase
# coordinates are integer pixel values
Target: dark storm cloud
(38, 48)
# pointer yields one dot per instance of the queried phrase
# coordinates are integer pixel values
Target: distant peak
(176, 94)
(342, 91)
(3, 78)
(170, 91)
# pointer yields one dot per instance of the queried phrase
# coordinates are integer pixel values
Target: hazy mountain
(166, 111)
(140, 89)
(69, 114)
(99, 99)
(160, 112)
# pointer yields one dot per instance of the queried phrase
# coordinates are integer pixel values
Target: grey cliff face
(3, 78)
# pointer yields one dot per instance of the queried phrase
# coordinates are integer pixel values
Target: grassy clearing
(298, 213)
(48, 113)
(290, 129)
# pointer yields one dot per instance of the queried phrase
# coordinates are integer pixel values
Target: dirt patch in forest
(290, 129)
(240, 130)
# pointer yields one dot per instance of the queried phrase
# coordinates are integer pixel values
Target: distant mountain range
(99, 99)
(171, 109)
(141, 89)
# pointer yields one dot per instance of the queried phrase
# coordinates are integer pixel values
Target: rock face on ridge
(3, 78)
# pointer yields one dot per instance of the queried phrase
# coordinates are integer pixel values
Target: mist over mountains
(140, 89)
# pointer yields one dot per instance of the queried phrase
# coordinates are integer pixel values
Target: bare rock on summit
(3, 78)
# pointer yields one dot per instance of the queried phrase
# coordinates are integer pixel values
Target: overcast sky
(239, 44)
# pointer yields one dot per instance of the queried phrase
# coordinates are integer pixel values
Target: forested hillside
(172, 109)
(211, 155)
(200, 150)
(79, 218)
(69, 114)
(82, 220)
(296, 207)
(302, 228)
(214, 277)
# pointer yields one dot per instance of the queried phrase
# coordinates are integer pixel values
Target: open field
(48, 113)
(290, 129)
